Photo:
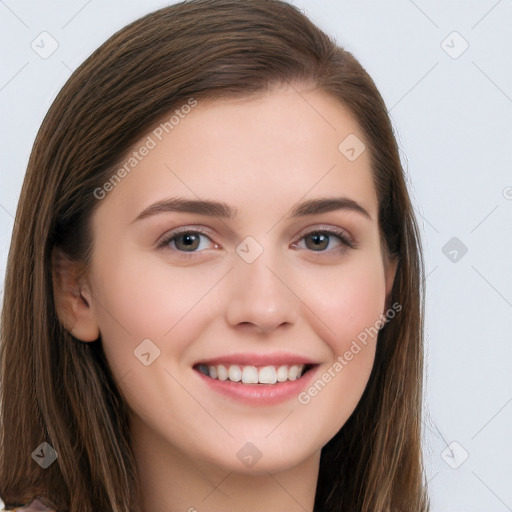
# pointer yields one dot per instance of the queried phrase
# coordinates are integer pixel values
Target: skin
(262, 156)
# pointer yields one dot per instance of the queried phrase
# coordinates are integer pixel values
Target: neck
(172, 482)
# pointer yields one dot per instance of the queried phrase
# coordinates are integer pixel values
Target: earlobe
(73, 298)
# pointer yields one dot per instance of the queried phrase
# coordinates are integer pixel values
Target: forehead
(258, 153)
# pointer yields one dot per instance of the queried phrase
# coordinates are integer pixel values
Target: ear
(73, 298)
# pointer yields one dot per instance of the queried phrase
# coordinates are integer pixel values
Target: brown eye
(187, 241)
(326, 241)
(319, 241)
(190, 241)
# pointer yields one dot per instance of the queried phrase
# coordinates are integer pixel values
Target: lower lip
(260, 394)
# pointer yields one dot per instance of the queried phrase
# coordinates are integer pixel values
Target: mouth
(253, 374)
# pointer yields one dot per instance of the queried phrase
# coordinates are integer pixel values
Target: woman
(213, 297)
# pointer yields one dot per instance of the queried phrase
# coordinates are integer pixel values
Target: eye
(196, 240)
(185, 241)
(322, 240)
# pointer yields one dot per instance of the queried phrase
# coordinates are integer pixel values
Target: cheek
(349, 300)
(137, 301)
(349, 304)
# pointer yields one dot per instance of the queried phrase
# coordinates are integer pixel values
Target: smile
(250, 374)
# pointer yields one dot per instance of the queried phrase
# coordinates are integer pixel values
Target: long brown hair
(58, 390)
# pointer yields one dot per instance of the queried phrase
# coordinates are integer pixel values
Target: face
(279, 293)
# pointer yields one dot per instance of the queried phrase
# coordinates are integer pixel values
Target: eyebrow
(222, 210)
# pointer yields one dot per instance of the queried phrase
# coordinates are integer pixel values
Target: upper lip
(258, 359)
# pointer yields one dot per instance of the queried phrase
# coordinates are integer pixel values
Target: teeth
(249, 375)
(267, 375)
(294, 372)
(222, 373)
(282, 373)
(253, 375)
(235, 373)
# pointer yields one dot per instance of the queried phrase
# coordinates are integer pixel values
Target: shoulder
(35, 506)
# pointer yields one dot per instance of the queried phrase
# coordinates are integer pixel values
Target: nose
(261, 296)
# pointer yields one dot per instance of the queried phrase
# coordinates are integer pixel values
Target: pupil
(319, 240)
(189, 240)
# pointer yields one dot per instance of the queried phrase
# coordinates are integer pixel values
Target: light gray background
(452, 112)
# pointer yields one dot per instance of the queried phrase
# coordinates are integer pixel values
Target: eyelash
(346, 241)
